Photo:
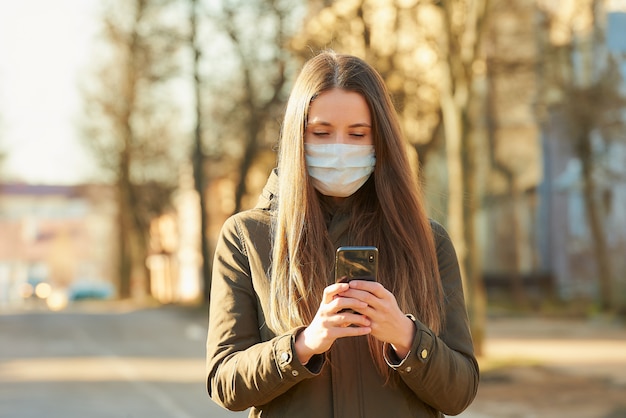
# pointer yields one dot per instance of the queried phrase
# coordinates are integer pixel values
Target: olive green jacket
(248, 366)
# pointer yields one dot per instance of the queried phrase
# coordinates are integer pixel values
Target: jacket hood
(270, 190)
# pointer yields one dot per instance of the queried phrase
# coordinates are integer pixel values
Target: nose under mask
(339, 169)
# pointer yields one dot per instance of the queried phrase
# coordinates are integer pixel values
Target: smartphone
(356, 263)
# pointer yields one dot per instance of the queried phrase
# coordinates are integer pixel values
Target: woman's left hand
(388, 322)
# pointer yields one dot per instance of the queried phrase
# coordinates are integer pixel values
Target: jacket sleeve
(243, 370)
(442, 370)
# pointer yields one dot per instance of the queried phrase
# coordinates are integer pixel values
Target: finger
(348, 319)
(333, 290)
(353, 331)
(367, 312)
(374, 288)
(359, 320)
(363, 296)
(357, 294)
(342, 303)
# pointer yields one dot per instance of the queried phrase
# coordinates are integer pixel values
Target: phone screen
(356, 263)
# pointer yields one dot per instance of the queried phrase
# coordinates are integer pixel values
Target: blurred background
(131, 129)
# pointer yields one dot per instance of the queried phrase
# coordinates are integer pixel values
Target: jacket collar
(337, 216)
(270, 190)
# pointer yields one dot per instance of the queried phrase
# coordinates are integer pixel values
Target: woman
(287, 341)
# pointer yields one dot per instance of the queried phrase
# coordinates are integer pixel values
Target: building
(61, 236)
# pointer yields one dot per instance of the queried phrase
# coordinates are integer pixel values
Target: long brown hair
(387, 211)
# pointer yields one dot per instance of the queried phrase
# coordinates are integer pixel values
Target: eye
(320, 133)
(357, 134)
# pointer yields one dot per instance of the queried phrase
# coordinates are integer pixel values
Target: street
(105, 362)
(115, 360)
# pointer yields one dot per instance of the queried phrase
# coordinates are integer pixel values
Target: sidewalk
(583, 348)
(538, 368)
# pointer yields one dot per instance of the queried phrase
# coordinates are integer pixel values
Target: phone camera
(371, 257)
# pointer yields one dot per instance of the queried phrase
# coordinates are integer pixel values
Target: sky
(44, 47)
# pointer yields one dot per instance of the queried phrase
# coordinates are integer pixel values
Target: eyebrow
(355, 125)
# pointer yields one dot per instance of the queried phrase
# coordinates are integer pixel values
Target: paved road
(112, 362)
(118, 361)
(106, 360)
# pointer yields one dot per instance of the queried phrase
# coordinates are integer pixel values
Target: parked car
(90, 289)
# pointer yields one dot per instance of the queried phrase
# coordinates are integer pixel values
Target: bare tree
(464, 25)
(198, 156)
(588, 99)
(253, 73)
(590, 109)
(241, 70)
(131, 122)
(512, 141)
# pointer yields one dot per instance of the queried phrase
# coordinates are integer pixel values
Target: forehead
(338, 106)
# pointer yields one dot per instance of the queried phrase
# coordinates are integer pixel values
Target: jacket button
(408, 369)
(424, 353)
(284, 357)
(294, 373)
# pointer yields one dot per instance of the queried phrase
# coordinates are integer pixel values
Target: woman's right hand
(331, 321)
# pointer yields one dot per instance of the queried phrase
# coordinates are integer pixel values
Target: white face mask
(339, 169)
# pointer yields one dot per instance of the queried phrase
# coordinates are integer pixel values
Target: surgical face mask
(339, 169)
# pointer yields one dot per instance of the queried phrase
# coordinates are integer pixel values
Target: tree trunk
(134, 274)
(513, 193)
(124, 259)
(477, 308)
(461, 219)
(452, 128)
(594, 219)
(456, 96)
(250, 153)
(517, 285)
(198, 158)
